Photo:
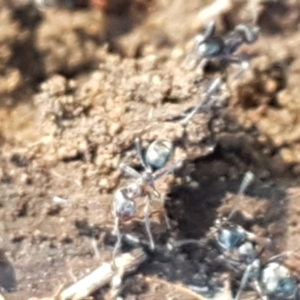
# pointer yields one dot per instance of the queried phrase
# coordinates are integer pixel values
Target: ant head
(211, 47)
(207, 44)
(231, 237)
(134, 189)
(159, 153)
(249, 32)
(123, 206)
(278, 281)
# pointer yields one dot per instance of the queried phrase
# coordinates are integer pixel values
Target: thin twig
(103, 275)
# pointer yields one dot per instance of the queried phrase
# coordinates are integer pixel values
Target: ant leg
(177, 244)
(281, 256)
(147, 221)
(244, 65)
(230, 262)
(167, 220)
(250, 268)
(243, 282)
(168, 170)
(191, 59)
(211, 90)
(259, 290)
(159, 196)
(118, 243)
(129, 171)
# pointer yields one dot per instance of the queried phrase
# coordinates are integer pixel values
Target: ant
(277, 280)
(154, 163)
(209, 46)
(233, 239)
(271, 280)
(238, 246)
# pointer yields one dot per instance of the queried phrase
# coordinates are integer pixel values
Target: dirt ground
(79, 84)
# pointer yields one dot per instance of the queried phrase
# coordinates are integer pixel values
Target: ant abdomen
(158, 153)
(278, 282)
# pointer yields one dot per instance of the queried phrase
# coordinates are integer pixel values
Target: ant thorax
(123, 205)
(147, 179)
(135, 189)
(232, 42)
(247, 252)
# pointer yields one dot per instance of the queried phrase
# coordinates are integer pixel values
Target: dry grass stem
(103, 275)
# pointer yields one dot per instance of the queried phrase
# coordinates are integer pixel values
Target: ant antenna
(247, 181)
(210, 30)
(139, 152)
